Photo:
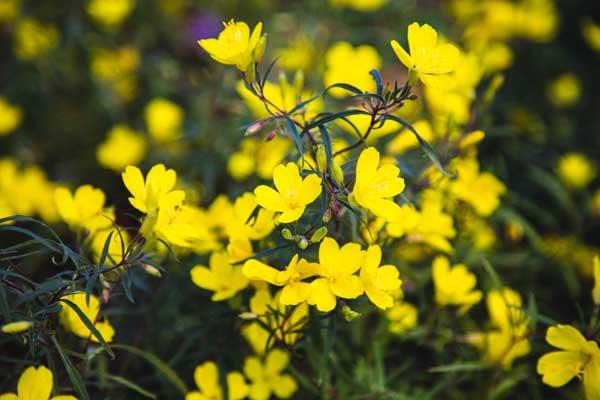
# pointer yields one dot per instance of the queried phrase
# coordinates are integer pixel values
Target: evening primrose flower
(379, 281)
(222, 278)
(293, 291)
(123, 146)
(375, 186)
(155, 192)
(236, 46)
(84, 209)
(16, 327)
(266, 377)
(35, 383)
(577, 356)
(337, 278)
(293, 193)
(207, 380)
(110, 13)
(10, 116)
(575, 170)
(429, 60)
(454, 285)
(164, 119)
(70, 320)
(348, 64)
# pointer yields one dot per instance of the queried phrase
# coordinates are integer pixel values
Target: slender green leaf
(72, 372)
(127, 383)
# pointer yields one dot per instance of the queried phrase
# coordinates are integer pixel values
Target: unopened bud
(318, 235)
(337, 174)
(270, 136)
(247, 316)
(303, 243)
(259, 50)
(287, 234)
(254, 128)
(349, 314)
(327, 215)
(152, 270)
(321, 158)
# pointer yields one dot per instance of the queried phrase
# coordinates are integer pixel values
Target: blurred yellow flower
(71, 321)
(454, 285)
(577, 357)
(591, 33)
(378, 281)
(337, 278)
(596, 289)
(110, 13)
(360, 5)
(10, 116)
(299, 55)
(117, 68)
(258, 156)
(222, 278)
(347, 64)
(405, 140)
(293, 192)
(564, 91)
(35, 383)
(242, 222)
(375, 186)
(402, 316)
(575, 170)
(84, 209)
(118, 244)
(536, 20)
(16, 327)
(164, 119)
(429, 60)
(236, 46)
(123, 146)
(34, 39)
(207, 380)
(267, 377)
(293, 291)
(9, 10)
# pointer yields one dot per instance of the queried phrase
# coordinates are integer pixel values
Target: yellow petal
(256, 270)
(134, 181)
(8, 396)
(310, 189)
(321, 296)
(347, 287)
(566, 337)
(204, 278)
(269, 198)
(16, 327)
(559, 367)
(294, 293)
(35, 384)
(291, 215)
(366, 167)
(253, 369)
(591, 379)
(236, 385)
(206, 377)
(277, 360)
(284, 386)
(402, 54)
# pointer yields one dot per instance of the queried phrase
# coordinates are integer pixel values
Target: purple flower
(202, 26)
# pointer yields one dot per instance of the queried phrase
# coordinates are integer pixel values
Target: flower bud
(259, 50)
(270, 136)
(287, 234)
(152, 270)
(327, 215)
(16, 327)
(303, 243)
(318, 235)
(321, 158)
(254, 128)
(247, 316)
(337, 174)
(349, 314)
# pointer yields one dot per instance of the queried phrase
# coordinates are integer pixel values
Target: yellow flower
(185, 226)
(293, 291)
(337, 278)
(405, 140)
(10, 117)
(206, 376)
(284, 322)
(402, 317)
(596, 289)
(591, 33)
(432, 62)
(84, 209)
(379, 281)
(360, 5)
(575, 170)
(267, 378)
(577, 356)
(35, 383)
(293, 193)
(16, 327)
(71, 321)
(157, 190)
(258, 156)
(564, 91)
(236, 46)
(163, 119)
(9, 10)
(110, 13)
(347, 64)
(222, 278)
(244, 223)
(122, 147)
(117, 67)
(375, 186)
(118, 243)
(454, 285)
(481, 190)
(34, 39)
(299, 55)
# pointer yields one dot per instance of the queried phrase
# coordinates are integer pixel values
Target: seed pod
(287, 234)
(318, 235)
